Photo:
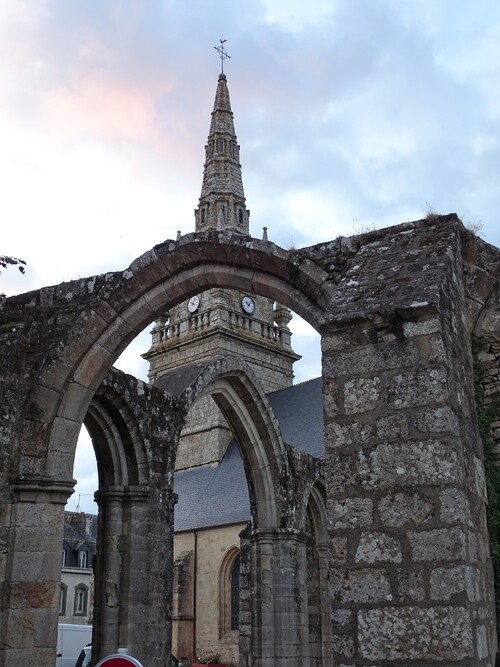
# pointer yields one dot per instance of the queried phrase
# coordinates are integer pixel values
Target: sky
(351, 115)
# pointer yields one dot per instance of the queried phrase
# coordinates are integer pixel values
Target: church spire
(222, 199)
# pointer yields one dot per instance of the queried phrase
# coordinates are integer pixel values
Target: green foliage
(486, 416)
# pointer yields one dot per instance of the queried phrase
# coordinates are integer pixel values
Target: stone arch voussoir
(232, 384)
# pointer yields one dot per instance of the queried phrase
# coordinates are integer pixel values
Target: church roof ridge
(298, 384)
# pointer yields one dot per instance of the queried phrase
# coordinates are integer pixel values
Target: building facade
(77, 576)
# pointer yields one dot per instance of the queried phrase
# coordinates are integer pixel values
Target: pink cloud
(107, 108)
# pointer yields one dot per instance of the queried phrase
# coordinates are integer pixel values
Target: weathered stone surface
(341, 617)
(338, 549)
(361, 395)
(417, 388)
(365, 585)
(439, 420)
(367, 360)
(350, 513)
(414, 633)
(426, 462)
(341, 472)
(392, 427)
(411, 585)
(352, 433)
(421, 328)
(447, 581)
(343, 645)
(454, 507)
(378, 548)
(441, 544)
(400, 509)
(378, 300)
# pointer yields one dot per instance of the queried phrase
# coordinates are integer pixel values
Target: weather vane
(222, 53)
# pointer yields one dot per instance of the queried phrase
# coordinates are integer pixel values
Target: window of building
(240, 216)
(202, 216)
(82, 559)
(81, 596)
(64, 561)
(235, 594)
(229, 592)
(63, 595)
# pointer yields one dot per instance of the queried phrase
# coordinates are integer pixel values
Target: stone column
(133, 598)
(326, 623)
(32, 583)
(410, 573)
(280, 633)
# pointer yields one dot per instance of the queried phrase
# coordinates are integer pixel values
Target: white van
(70, 641)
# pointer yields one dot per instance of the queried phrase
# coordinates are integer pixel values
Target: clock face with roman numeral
(193, 304)
(248, 304)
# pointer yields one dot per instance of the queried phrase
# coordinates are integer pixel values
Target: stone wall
(408, 544)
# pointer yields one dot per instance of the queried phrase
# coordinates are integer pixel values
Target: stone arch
(231, 383)
(120, 306)
(134, 438)
(391, 311)
(275, 549)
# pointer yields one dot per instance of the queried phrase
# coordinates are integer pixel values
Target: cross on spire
(222, 53)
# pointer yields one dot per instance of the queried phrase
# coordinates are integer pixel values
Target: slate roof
(75, 537)
(217, 495)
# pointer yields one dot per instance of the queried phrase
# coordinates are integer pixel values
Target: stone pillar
(326, 623)
(133, 589)
(280, 633)
(409, 566)
(33, 574)
(246, 597)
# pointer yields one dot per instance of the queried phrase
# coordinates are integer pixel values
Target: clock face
(248, 304)
(193, 304)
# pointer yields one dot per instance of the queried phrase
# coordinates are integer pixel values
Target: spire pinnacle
(222, 199)
(222, 53)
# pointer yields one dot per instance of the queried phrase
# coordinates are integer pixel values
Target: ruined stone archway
(400, 422)
(134, 429)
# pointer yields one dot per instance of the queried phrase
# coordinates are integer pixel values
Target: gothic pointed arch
(229, 589)
(231, 384)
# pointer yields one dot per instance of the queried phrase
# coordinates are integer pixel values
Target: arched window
(235, 594)
(229, 592)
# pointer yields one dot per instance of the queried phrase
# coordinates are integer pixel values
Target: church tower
(221, 322)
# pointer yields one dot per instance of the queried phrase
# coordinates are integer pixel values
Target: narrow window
(240, 216)
(202, 217)
(82, 559)
(80, 606)
(62, 599)
(235, 594)
(64, 557)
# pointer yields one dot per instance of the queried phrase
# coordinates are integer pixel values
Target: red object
(120, 660)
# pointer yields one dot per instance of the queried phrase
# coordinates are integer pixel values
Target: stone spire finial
(264, 234)
(222, 196)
